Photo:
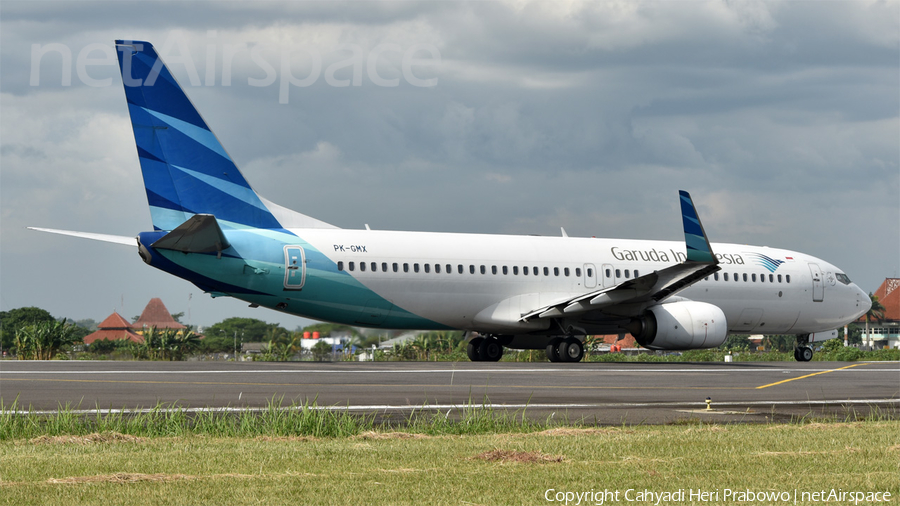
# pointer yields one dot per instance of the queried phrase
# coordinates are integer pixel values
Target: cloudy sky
(782, 120)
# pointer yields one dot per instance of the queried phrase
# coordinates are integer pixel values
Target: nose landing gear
(802, 351)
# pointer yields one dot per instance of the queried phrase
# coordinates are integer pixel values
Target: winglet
(698, 248)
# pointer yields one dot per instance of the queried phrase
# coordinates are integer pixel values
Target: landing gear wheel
(472, 349)
(553, 350)
(804, 354)
(490, 350)
(571, 350)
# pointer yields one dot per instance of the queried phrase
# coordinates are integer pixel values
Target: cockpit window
(843, 278)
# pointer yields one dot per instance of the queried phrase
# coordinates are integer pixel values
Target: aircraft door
(294, 268)
(818, 283)
(607, 275)
(590, 276)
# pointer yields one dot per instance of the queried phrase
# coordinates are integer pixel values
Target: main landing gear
(803, 352)
(569, 349)
(484, 349)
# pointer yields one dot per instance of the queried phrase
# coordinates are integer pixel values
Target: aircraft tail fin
(186, 170)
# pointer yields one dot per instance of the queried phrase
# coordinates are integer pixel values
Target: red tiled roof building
(156, 315)
(114, 328)
(887, 332)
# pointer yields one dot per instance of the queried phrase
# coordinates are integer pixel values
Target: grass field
(381, 467)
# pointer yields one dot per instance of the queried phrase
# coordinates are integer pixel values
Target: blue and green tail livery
(186, 170)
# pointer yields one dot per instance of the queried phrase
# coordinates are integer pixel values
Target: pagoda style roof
(114, 321)
(156, 315)
(113, 335)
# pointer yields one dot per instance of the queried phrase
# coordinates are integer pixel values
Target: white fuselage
(410, 269)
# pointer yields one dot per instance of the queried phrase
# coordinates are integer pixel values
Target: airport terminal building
(885, 333)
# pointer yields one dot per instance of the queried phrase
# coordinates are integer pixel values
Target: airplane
(505, 291)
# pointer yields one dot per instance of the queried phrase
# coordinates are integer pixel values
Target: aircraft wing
(631, 297)
(117, 239)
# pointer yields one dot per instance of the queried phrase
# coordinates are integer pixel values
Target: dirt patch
(138, 478)
(283, 439)
(588, 431)
(824, 426)
(109, 437)
(800, 453)
(372, 435)
(517, 456)
(711, 428)
(895, 448)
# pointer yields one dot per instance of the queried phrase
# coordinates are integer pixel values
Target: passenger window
(505, 270)
(437, 268)
(340, 266)
(350, 265)
(716, 276)
(383, 266)
(471, 269)
(745, 277)
(636, 274)
(590, 273)
(771, 278)
(362, 267)
(427, 268)
(546, 271)
(735, 276)
(534, 271)
(787, 278)
(578, 272)
(566, 271)
(459, 268)
(482, 269)
(725, 276)
(556, 271)
(525, 270)
(405, 267)
(449, 269)
(494, 269)
(753, 277)
(608, 273)
(394, 266)
(779, 278)
(627, 273)
(415, 267)
(618, 273)
(515, 270)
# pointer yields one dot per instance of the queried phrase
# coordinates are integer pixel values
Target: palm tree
(876, 312)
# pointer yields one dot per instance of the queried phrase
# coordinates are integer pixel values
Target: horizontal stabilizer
(199, 234)
(117, 239)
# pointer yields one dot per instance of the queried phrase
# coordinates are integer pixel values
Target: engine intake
(684, 325)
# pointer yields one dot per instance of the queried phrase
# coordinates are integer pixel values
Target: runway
(604, 393)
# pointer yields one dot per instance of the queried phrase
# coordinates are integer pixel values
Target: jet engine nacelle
(683, 325)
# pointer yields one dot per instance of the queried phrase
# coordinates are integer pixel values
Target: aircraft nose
(863, 300)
